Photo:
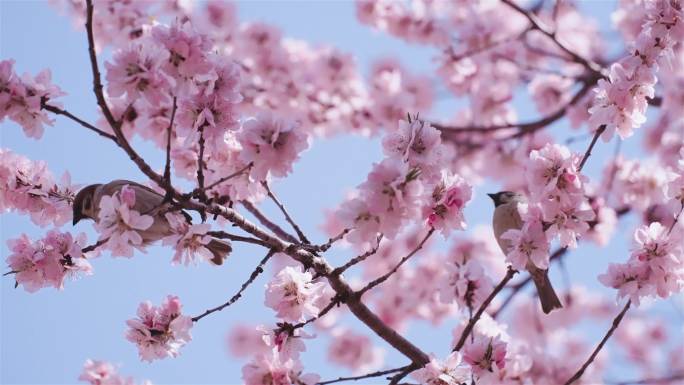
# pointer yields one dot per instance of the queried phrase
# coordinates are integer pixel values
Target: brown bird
(147, 201)
(507, 217)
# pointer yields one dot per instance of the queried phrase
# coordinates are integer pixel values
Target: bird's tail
(220, 249)
(547, 296)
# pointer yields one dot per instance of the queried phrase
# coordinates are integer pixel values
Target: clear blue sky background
(46, 336)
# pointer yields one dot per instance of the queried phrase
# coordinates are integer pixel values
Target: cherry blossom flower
(467, 284)
(417, 143)
(48, 261)
(550, 92)
(245, 340)
(118, 224)
(293, 295)
(354, 351)
(528, 245)
(485, 354)
(159, 331)
(451, 371)
(102, 373)
(448, 200)
(190, 241)
(271, 369)
(272, 145)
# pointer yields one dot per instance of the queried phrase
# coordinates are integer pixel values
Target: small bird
(147, 201)
(507, 217)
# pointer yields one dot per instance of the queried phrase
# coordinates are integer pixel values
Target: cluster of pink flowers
(159, 331)
(271, 145)
(294, 296)
(22, 98)
(48, 261)
(104, 373)
(451, 371)
(638, 184)
(118, 224)
(28, 187)
(405, 185)
(190, 241)
(621, 101)
(558, 206)
(655, 266)
(354, 351)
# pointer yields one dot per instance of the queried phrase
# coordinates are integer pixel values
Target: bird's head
(504, 197)
(84, 207)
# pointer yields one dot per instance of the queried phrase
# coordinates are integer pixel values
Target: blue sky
(46, 336)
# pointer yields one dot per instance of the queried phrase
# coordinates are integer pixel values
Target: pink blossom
(159, 331)
(118, 223)
(272, 145)
(354, 351)
(528, 245)
(550, 92)
(47, 262)
(417, 143)
(448, 372)
(137, 72)
(449, 197)
(293, 295)
(245, 340)
(102, 373)
(485, 354)
(190, 241)
(466, 283)
(271, 369)
(552, 170)
(355, 214)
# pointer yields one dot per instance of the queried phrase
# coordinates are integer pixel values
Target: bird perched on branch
(147, 201)
(507, 217)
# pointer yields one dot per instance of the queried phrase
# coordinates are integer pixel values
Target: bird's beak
(493, 196)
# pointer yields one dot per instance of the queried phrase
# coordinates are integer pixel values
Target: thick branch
(616, 323)
(473, 320)
(259, 269)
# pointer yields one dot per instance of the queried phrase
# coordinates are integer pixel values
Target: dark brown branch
(92, 247)
(358, 258)
(59, 111)
(200, 162)
(616, 323)
(277, 230)
(97, 82)
(236, 238)
(259, 269)
(407, 370)
(288, 218)
(384, 278)
(334, 302)
(329, 243)
(364, 376)
(598, 133)
(473, 320)
(537, 24)
(167, 166)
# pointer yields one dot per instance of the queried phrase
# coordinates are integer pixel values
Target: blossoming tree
(232, 106)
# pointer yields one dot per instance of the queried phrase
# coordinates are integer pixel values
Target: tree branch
(358, 258)
(289, 219)
(277, 230)
(364, 376)
(587, 153)
(59, 111)
(473, 320)
(616, 323)
(259, 269)
(236, 238)
(384, 278)
(167, 166)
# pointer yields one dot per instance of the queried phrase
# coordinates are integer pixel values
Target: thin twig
(471, 324)
(288, 218)
(598, 133)
(405, 372)
(200, 161)
(59, 111)
(10, 272)
(259, 269)
(334, 302)
(325, 246)
(231, 176)
(363, 376)
(277, 230)
(94, 246)
(616, 323)
(167, 166)
(359, 258)
(384, 278)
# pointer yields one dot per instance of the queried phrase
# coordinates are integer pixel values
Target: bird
(507, 217)
(86, 205)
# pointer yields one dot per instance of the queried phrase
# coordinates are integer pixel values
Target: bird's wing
(146, 199)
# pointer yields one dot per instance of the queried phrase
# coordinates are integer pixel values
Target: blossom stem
(364, 376)
(167, 166)
(616, 323)
(259, 269)
(471, 324)
(288, 218)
